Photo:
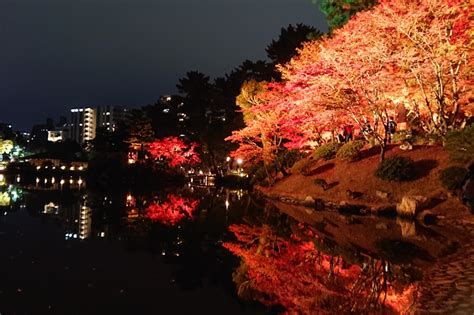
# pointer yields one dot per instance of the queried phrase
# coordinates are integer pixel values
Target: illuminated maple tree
(415, 55)
(174, 151)
(171, 211)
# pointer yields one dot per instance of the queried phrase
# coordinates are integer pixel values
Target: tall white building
(85, 121)
(83, 124)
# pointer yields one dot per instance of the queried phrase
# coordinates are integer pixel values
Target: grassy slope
(359, 176)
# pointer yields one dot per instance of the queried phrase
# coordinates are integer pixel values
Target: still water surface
(67, 249)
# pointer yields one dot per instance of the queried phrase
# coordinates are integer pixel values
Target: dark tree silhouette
(280, 51)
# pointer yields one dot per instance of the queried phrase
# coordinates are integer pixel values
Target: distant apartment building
(82, 127)
(109, 117)
(85, 121)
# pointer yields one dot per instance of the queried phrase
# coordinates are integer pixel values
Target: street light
(240, 161)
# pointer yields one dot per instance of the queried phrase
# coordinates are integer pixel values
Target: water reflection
(283, 258)
(293, 272)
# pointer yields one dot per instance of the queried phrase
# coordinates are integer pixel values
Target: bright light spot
(63, 167)
(38, 167)
(240, 161)
(227, 159)
(72, 168)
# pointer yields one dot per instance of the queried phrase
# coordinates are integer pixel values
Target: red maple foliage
(296, 275)
(174, 151)
(172, 210)
(415, 54)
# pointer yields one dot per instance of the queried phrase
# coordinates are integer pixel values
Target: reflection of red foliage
(294, 274)
(171, 211)
(174, 151)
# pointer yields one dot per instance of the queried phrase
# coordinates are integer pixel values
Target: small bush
(460, 144)
(289, 158)
(453, 177)
(301, 166)
(326, 151)
(400, 136)
(350, 151)
(396, 168)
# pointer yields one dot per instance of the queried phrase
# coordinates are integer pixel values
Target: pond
(67, 249)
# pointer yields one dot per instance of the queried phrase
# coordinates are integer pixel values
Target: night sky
(58, 54)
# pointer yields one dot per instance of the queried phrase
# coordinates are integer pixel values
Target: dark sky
(59, 54)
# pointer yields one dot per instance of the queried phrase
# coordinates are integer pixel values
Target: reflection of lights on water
(227, 204)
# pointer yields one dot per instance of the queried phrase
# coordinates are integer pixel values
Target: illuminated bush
(350, 151)
(326, 151)
(396, 168)
(453, 177)
(301, 167)
(460, 144)
(289, 158)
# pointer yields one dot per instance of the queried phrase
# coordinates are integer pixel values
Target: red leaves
(174, 151)
(171, 211)
(293, 273)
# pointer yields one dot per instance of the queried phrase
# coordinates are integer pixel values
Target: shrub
(326, 151)
(400, 136)
(453, 177)
(396, 168)
(301, 166)
(350, 151)
(289, 158)
(460, 144)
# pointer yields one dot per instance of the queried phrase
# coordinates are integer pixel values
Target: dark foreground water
(65, 249)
